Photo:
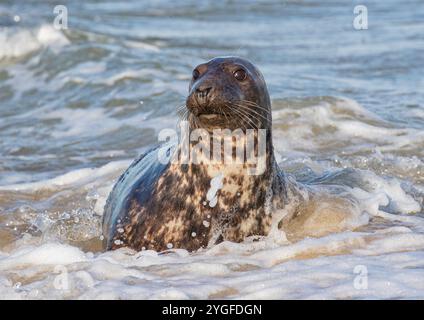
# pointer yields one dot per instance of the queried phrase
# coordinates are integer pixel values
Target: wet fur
(155, 206)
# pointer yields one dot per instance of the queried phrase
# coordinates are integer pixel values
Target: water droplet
(206, 223)
(193, 234)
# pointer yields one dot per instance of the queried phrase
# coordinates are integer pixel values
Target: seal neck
(250, 149)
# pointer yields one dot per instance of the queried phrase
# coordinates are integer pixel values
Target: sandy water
(77, 105)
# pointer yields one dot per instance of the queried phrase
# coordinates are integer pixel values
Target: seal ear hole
(196, 74)
(240, 74)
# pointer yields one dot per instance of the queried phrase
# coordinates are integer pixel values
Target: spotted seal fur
(158, 206)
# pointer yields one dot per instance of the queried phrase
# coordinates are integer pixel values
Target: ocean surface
(78, 104)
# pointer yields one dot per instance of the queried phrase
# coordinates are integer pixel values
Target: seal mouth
(209, 116)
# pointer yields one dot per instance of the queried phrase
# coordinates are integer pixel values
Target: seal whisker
(238, 117)
(182, 107)
(249, 110)
(224, 113)
(254, 104)
(182, 110)
(245, 117)
(244, 111)
(196, 122)
(241, 121)
(245, 104)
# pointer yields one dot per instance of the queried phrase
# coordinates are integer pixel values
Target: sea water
(77, 105)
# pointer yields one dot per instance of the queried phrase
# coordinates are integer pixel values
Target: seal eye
(240, 74)
(196, 74)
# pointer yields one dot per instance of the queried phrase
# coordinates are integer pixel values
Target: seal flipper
(141, 174)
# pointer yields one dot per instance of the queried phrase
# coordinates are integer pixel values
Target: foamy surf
(78, 105)
(357, 219)
(381, 233)
(17, 41)
(312, 268)
(319, 124)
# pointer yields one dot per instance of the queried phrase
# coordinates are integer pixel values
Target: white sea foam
(83, 122)
(314, 268)
(42, 255)
(71, 179)
(309, 128)
(18, 42)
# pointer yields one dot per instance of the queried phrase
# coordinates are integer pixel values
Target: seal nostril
(203, 92)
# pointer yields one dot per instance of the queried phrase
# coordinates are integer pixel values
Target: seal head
(229, 92)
